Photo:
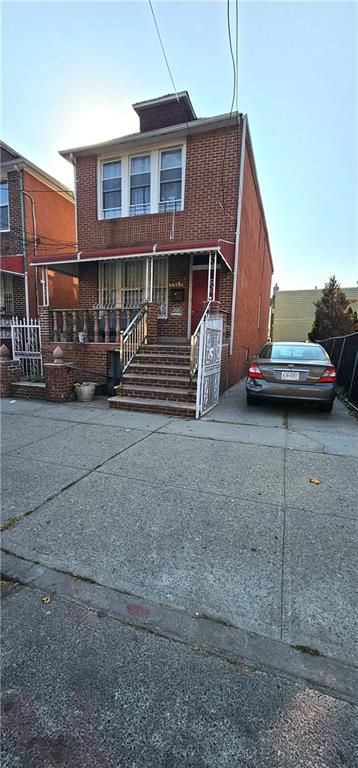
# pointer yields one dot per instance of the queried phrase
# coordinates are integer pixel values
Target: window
(170, 180)
(140, 185)
(132, 283)
(107, 283)
(111, 190)
(160, 286)
(294, 352)
(6, 294)
(4, 206)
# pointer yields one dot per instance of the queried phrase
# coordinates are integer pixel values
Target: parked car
(292, 371)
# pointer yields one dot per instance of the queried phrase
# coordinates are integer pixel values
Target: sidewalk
(209, 536)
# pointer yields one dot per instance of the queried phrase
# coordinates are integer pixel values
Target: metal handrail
(194, 351)
(133, 337)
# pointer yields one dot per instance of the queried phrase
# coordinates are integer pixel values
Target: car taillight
(254, 372)
(329, 375)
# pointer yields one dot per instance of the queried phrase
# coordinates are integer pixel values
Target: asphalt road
(200, 592)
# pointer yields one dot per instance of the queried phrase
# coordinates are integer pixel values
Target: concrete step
(174, 349)
(30, 390)
(147, 405)
(161, 369)
(170, 393)
(154, 379)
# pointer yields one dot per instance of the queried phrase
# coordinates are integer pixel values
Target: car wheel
(326, 407)
(251, 400)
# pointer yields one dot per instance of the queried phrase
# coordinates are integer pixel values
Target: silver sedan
(292, 371)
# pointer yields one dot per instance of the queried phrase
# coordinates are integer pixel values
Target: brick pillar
(46, 324)
(59, 378)
(10, 370)
(215, 307)
(152, 331)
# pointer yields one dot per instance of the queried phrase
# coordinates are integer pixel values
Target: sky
(70, 72)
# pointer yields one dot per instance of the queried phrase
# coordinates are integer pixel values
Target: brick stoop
(158, 381)
(28, 389)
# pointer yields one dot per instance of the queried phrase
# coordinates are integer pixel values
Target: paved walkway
(203, 590)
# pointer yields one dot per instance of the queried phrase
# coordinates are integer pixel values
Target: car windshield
(293, 352)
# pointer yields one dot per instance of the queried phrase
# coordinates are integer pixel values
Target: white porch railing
(194, 341)
(133, 337)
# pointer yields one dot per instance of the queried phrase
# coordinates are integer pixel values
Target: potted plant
(85, 391)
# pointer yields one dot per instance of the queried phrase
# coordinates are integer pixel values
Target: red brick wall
(11, 243)
(55, 226)
(255, 273)
(202, 217)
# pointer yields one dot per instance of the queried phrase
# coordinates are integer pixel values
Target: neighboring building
(293, 312)
(171, 215)
(37, 217)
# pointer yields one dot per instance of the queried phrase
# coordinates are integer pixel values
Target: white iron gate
(26, 347)
(209, 364)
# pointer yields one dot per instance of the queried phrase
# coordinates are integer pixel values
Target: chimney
(164, 111)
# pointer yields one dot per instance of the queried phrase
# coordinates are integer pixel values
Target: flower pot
(85, 391)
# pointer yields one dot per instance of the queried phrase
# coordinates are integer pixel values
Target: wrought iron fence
(343, 351)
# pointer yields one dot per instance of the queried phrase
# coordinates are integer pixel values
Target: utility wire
(234, 90)
(167, 63)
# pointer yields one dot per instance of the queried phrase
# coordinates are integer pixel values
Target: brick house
(172, 216)
(37, 217)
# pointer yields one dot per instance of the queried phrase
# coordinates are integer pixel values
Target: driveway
(202, 589)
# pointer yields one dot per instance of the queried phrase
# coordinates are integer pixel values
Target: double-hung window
(139, 185)
(111, 190)
(6, 294)
(4, 206)
(171, 171)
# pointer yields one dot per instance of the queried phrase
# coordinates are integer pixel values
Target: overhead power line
(234, 60)
(167, 63)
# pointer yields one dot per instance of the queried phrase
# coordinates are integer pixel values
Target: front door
(200, 294)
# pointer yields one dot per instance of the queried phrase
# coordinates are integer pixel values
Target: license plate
(290, 376)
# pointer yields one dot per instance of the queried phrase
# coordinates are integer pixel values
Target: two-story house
(37, 217)
(170, 217)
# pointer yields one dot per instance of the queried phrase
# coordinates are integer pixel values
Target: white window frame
(105, 162)
(114, 283)
(6, 291)
(171, 149)
(125, 158)
(3, 205)
(130, 158)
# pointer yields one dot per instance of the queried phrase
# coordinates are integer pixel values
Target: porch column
(46, 323)
(149, 278)
(212, 275)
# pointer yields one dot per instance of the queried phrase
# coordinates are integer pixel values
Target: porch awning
(14, 265)
(224, 248)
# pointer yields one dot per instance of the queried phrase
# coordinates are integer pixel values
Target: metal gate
(209, 364)
(26, 347)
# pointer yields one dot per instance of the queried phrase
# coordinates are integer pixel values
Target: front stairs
(157, 380)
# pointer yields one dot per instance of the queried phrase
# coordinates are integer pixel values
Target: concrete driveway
(196, 575)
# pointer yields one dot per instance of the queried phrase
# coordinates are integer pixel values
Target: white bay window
(131, 185)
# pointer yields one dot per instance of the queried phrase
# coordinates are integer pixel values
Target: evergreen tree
(334, 316)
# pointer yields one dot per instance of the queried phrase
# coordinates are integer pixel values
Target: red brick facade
(202, 217)
(55, 226)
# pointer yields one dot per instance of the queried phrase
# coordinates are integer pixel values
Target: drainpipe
(26, 279)
(237, 236)
(74, 163)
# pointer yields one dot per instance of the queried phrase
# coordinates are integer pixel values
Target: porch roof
(224, 248)
(14, 265)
